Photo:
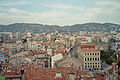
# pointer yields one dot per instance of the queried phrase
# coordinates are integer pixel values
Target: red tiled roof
(6, 64)
(100, 78)
(41, 74)
(81, 72)
(86, 43)
(91, 49)
(87, 46)
(11, 73)
(29, 68)
(48, 74)
(40, 52)
(63, 51)
(88, 78)
(12, 40)
(96, 76)
(60, 51)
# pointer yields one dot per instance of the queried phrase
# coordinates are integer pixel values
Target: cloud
(58, 17)
(1, 8)
(109, 6)
(61, 14)
(115, 4)
(17, 15)
(8, 3)
(17, 11)
(105, 3)
(64, 7)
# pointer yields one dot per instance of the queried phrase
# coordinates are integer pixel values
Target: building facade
(89, 56)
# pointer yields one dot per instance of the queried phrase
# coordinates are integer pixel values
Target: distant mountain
(38, 28)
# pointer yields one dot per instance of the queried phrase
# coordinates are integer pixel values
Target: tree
(114, 56)
(118, 64)
(104, 55)
(109, 61)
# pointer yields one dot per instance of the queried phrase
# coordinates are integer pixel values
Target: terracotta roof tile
(11, 73)
(91, 49)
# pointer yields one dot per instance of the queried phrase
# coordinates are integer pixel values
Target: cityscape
(55, 45)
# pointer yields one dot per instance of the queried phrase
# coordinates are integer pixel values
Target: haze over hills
(38, 28)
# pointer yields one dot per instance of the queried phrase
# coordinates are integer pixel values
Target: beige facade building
(89, 56)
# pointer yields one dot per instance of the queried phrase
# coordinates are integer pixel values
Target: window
(93, 59)
(85, 59)
(95, 53)
(98, 53)
(90, 53)
(98, 65)
(98, 59)
(88, 59)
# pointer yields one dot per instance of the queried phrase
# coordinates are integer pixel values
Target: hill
(38, 28)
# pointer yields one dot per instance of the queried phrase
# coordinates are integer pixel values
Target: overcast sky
(59, 12)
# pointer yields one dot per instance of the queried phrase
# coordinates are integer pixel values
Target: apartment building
(89, 55)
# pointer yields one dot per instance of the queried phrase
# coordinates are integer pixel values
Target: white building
(89, 56)
(56, 58)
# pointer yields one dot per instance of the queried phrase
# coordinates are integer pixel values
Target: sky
(59, 12)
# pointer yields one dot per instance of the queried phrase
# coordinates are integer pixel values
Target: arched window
(98, 59)
(88, 59)
(85, 59)
(98, 53)
(95, 59)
